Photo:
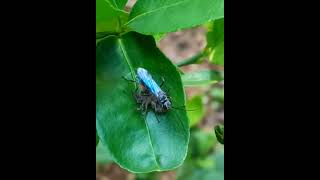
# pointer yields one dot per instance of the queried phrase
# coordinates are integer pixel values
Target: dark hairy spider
(147, 99)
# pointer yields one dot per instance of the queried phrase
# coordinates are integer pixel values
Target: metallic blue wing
(146, 79)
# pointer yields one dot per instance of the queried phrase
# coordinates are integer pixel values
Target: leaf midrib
(122, 47)
(133, 74)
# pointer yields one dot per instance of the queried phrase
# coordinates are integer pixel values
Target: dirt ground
(176, 46)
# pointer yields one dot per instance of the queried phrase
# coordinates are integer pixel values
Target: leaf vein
(127, 58)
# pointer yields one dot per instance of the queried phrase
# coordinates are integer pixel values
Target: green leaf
(138, 142)
(197, 113)
(215, 42)
(118, 4)
(109, 19)
(200, 78)
(152, 17)
(103, 155)
(219, 131)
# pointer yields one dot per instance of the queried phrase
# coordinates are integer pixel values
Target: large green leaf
(109, 19)
(119, 4)
(152, 17)
(138, 142)
(215, 41)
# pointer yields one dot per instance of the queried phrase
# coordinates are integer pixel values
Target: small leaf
(201, 78)
(153, 17)
(197, 113)
(219, 131)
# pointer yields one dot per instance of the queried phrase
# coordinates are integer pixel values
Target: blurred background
(205, 159)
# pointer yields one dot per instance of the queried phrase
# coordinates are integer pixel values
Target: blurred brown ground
(177, 46)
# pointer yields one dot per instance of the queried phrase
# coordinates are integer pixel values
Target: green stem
(191, 60)
(100, 35)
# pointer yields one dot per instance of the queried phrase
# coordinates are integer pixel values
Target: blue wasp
(151, 93)
(159, 100)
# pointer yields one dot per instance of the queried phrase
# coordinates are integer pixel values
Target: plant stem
(192, 60)
(100, 35)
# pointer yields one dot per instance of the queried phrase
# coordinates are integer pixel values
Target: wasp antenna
(177, 108)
